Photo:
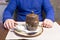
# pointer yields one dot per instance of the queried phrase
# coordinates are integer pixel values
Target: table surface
(3, 31)
(48, 33)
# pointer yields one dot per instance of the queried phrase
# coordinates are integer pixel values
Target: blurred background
(55, 3)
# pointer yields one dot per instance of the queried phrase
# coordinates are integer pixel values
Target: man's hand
(47, 23)
(9, 23)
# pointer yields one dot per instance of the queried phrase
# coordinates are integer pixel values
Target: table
(3, 32)
(48, 34)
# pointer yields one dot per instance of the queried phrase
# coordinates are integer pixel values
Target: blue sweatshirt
(25, 7)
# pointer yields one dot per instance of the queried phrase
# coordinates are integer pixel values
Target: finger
(15, 23)
(5, 25)
(44, 24)
(10, 24)
(48, 25)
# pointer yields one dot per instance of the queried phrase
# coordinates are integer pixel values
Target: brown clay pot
(32, 21)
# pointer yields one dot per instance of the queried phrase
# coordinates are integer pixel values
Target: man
(25, 7)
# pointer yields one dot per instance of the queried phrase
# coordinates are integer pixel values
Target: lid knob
(32, 12)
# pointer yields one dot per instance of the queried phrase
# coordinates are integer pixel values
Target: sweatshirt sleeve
(48, 10)
(9, 10)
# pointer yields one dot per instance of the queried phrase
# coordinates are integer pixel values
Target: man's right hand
(9, 23)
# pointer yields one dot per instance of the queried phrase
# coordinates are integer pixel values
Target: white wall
(2, 7)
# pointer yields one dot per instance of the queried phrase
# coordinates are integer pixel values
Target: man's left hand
(47, 23)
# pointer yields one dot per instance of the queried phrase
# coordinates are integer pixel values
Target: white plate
(21, 30)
